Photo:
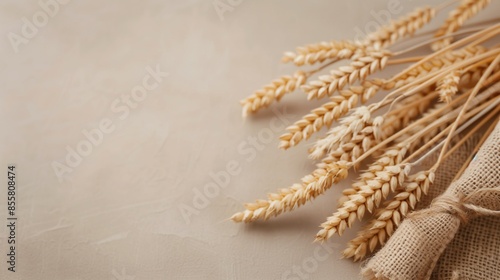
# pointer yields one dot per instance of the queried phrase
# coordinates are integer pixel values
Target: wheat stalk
(358, 69)
(287, 199)
(317, 53)
(404, 26)
(456, 18)
(381, 38)
(264, 97)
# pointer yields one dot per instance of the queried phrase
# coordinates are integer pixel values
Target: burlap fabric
(457, 237)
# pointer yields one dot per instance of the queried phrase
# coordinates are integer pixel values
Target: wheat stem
(473, 115)
(425, 81)
(404, 60)
(485, 34)
(466, 105)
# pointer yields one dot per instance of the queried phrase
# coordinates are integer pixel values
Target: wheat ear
(359, 69)
(381, 38)
(287, 199)
(448, 86)
(466, 10)
(402, 27)
(317, 53)
(273, 91)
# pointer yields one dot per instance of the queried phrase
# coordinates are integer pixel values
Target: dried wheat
(317, 53)
(287, 199)
(274, 91)
(448, 86)
(381, 38)
(404, 26)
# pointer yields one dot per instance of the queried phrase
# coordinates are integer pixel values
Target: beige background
(116, 214)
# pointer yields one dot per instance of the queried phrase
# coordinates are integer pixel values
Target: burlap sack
(457, 236)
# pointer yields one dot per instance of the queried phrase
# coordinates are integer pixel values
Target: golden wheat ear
(272, 92)
(288, 199)
(456, 18)
(381, 38)
(320, 52)
(402, 27)
(448, 86)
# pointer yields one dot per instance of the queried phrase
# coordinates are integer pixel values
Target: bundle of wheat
(452, 90)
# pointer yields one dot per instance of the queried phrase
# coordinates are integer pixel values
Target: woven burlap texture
(448, 240)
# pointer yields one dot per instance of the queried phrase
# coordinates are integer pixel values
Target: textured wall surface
(114, 157)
